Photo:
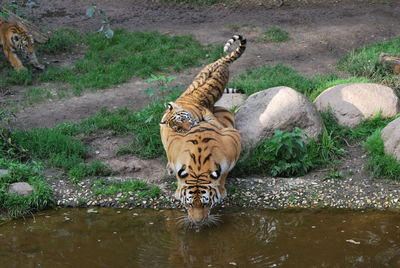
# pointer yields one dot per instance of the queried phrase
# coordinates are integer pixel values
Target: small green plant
(81, 171)
(380, 164)
(285, 154)
(335, 175)
(105, 21)
(275, 35)
(163, 87)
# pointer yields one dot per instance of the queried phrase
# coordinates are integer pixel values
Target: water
(255, 238)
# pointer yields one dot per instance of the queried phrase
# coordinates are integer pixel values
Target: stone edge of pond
(271, 193)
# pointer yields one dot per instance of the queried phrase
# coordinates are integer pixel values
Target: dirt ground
(321, 33)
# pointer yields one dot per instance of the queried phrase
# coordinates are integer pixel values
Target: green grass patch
(129, 54)
(51, 146)
(34, 95)
(274, 35)
(61, 41)
(113, 61)
(14, 205)
(380, 164)
(364, 62)
(81, 171)
(254, 80)
(139, 187)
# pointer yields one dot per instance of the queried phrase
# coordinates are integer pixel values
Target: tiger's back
(201, 160)
(14, 39)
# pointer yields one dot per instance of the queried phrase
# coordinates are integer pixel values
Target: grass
(14, 205)
(96, 168)
(113, 61)
(61, 41)
(254, 80)
(137, 54)
(380, 164)
(274, 35)
(364, 62)
(139, 187)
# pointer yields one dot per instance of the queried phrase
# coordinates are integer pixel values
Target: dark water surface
(149, 238)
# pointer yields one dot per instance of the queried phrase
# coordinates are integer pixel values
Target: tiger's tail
(238, 52)
(231, 90)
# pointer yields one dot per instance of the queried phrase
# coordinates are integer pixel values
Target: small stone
(90, 210)
(3, 172)
(21, 188)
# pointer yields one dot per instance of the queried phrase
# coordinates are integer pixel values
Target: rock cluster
(284, 108)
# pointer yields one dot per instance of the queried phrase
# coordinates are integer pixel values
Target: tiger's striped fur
(201, 159)
(15, 39)
(197, 102)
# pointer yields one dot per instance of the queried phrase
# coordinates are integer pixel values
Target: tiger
(197, 102)
(200, 159)
(15, 39)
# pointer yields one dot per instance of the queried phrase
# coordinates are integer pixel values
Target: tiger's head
(201, 167)
(23, 43)
(178, 119)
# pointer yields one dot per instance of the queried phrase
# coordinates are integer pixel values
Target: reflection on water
(256, 238)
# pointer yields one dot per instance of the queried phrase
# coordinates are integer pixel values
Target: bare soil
(321, 33)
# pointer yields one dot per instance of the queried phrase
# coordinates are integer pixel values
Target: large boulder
(391, 138)
(20, 188)
(351, 103)
(276, 108)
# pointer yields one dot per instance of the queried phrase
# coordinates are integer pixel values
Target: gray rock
(391, 138)
(21, 188)
(351, 103)
(230, 100)
(276, 108)
(3, 172)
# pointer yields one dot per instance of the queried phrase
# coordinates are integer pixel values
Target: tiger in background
(196, 103)
(201, 159)
(15, 39)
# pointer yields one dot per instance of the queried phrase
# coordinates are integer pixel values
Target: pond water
(254, 238)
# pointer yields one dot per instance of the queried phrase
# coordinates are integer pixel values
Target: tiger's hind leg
(209, 117)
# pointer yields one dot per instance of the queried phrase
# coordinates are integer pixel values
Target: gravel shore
(275, 193)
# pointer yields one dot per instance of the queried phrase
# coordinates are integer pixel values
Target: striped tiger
(197, 102)
(201, 159)
(15, 39)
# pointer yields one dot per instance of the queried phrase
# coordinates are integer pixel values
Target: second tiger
(197, 102)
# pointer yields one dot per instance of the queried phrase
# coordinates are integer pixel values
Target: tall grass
(364, 61)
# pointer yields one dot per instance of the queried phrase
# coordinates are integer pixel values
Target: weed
(61, 41)
(141, 188)
(364, 62)
(285, 154)
(81, 171)
(274, 34)
(163, 88)
(22, 77)
(34, 95)
(335, 175)
(380, 164)
(50, 145)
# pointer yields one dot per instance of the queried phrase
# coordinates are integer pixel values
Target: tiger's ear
(172, 106)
